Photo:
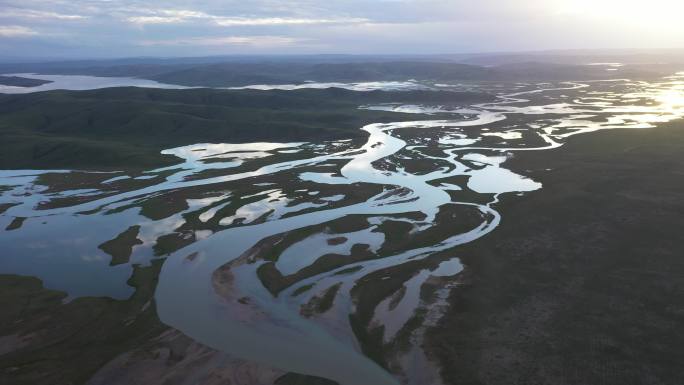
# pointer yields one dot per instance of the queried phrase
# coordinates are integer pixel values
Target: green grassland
(128, 127)
(583, 281)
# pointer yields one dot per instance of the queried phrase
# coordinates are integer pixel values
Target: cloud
(83, 28)
(242, 21)
(142, 20)
(166, 16)
(36, 14)
(16, 31)
(255, 41)
(171, 16)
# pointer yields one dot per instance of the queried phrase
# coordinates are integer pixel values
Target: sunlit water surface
(80, 83)
(85, 82)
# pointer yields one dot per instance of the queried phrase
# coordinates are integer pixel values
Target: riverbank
(583, 281)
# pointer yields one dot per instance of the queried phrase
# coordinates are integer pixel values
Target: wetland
(397, 231)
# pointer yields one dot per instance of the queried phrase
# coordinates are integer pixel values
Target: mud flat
(583, 281)
(44, 338)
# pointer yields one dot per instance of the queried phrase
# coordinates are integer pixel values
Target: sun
(646, 14)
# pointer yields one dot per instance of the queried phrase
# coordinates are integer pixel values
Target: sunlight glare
(646, 13)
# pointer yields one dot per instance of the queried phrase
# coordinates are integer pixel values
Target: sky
(122, 28)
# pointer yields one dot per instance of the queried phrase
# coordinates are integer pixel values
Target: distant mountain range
(248, 70)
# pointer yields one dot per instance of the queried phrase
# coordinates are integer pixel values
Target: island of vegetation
(17, 81)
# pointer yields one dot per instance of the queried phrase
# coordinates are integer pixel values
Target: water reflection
(361, 86)
(81, 82)
(84, 82)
